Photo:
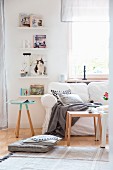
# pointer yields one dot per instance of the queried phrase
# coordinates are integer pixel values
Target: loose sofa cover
(93, 91)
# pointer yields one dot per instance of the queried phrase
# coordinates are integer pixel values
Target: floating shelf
(34, 49)
(34, 77)
(32, 28)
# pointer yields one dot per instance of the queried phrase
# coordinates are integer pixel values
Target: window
(89, 46)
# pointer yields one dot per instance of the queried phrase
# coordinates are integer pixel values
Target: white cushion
(97, 90)
(81, 89)
(58, 86)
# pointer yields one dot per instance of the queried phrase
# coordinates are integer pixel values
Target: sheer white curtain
(3, 89)
(84, 10)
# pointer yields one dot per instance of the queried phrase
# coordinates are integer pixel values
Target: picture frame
(35, 21)
(36, 89)
(39, 41)
(24, 20)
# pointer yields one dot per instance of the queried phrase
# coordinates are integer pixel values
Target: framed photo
(24, 20)
(35, 21)
(36, 89)
(39, 41)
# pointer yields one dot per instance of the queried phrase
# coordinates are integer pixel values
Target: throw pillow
(56, 93)
(70, 98)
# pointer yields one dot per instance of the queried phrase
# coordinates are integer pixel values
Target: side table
(20, 103)
(71, 114)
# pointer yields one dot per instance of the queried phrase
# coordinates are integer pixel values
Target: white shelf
(32, 28)
(31, 96)
(34, 49)
(34, 77)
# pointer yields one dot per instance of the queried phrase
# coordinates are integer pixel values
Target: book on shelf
(39, 41)
(24, 92)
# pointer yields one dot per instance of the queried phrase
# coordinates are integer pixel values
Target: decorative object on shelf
(39, 41)
(84, 73)
(24, 20)
(29, 63)
(35, 21)
(23, 73)
(62, 78)
(105, 97)
(24, 92)
(36, 89)
(26, 44)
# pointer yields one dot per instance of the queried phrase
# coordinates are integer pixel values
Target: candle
(84, 73)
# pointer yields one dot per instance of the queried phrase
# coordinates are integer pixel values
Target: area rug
(64, 152)
(60, 158)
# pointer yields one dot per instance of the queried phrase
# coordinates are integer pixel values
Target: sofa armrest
(48, 100)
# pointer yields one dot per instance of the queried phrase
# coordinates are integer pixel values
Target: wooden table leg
(98, 129)
(67, 125)
(30, 122)
(95, 125)
(18, 122)
(69, 130)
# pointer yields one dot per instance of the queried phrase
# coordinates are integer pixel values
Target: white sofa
(93, 91)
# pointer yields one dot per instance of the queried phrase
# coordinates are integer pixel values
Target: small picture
(36, 89)
(40, 67)
(24, 20)
(39, 41)
(35, 21)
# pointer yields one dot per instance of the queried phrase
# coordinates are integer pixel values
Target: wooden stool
(71, 114)
(19, 116)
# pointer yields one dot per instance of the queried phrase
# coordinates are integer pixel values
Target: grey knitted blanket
(57, 121)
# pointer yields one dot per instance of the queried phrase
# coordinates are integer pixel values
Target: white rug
(64, 152)
(61, 158)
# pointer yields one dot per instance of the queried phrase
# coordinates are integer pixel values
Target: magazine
(44, 143)
(42, 140)
(39, 41)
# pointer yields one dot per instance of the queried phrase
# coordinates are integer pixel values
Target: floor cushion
(40, 143)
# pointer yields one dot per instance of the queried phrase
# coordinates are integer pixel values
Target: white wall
(57, 43)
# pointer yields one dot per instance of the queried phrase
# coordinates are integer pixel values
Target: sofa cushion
(76, 88)
(97, 90)
(81, 89)
(70, 98)
(58, 87)
(56, 93)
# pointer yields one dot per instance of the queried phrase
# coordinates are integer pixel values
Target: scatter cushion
(40, 143)
(70, 98)
(56, 93)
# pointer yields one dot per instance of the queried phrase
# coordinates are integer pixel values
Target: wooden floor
(8, 136)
